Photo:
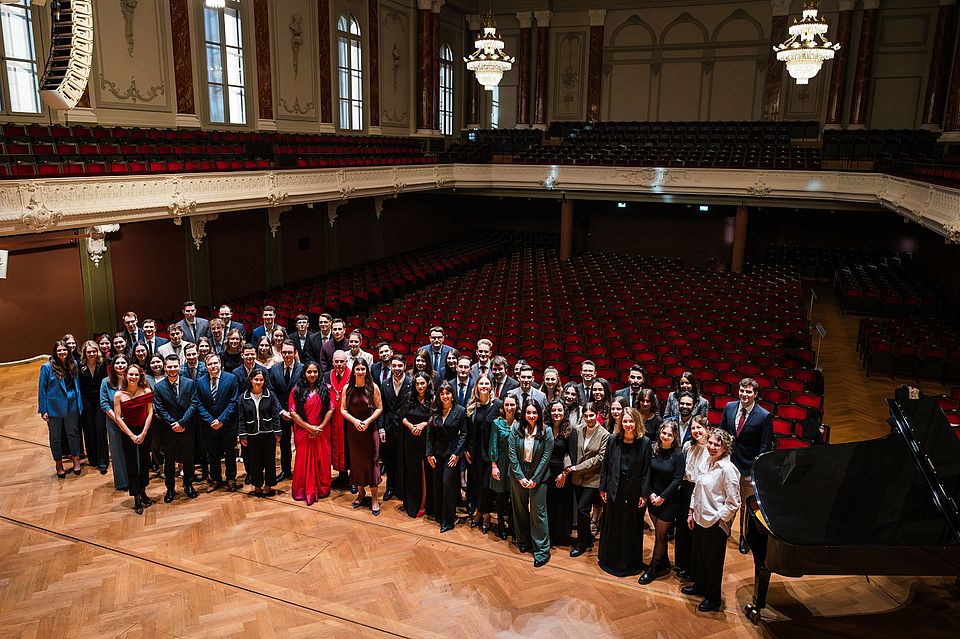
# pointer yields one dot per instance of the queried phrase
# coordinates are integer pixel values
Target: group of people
(548, 459)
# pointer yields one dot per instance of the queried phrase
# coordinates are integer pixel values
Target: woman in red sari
(336, 380)
(310, 409)
(133, 406)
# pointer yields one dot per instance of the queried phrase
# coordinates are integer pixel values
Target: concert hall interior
(480, 318)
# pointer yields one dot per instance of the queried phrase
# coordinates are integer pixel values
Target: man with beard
(502, 383)
(337, 342)
(381, 368)
(685, 421)
(631, 392)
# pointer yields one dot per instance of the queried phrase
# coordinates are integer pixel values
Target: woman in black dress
(662, 491)
(649, 409)
(414, 484)
(482, 409)
(231, 356)
(423, 363)
(446, 438)
(571, 401)
(626, 464)
(560, 503)
(450, 365)
(93, 421)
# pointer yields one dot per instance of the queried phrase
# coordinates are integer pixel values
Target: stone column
(261, 29)
(595, 72)
(198, 267)
(566, 229)
(471, 86)
(525, 18)
(838, 72)
(739, 239)
(424, 68)
(861, 81)
(540, 97)
(939, 72)
(773, 81)
(327, 58)
(435, 65)
(183, 63)
(373, 42)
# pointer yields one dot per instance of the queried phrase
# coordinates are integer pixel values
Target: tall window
(19, 59)
(446, 90)
(350, 72)
(495, 108)
(223, 42)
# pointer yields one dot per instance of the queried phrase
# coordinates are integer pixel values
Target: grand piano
(885, 506)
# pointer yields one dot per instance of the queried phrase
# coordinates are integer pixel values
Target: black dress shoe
(683, 575)
(693, 590)
(444, 529)
(576, 551)
(353, 489)
(246, 480)
(62, 475)
(190, 492)
(103, 470)
(146, 500)
(282, 475)
(540, 562)
(474, 523)
(484, 528)
(522, 549)
(501, 532)
(387, 496)
(709, 606)
(744, 546)
(137, 506)
(168, 497)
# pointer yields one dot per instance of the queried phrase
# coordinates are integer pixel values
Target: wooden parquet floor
(75, 561)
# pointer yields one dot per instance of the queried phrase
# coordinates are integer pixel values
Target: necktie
(635, 399)
(436, 361)
(150, 347)
(286, 376)
(214, 382)
(176, 389)
(462, 389)
(742, 420)
(524, 400)
(193, 374)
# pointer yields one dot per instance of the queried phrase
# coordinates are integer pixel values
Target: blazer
(376, 370)
(172, 408)
(466, 393)
(157, 343)
(475, 371)
(755, 439)
(260, 331)
(583, 393)
(53, 394)
(278, 382)
(258, 419)
(446, 348)
(393, 403)
(624, 394)
(202, 326)
(509, 384)
(539, 468)
(610, 470)
(224, 407)
(201, 370)
(303, 352)
(587, 464)
(479, 427)
(672, 409)
(235, 325)
(534, 394)
(326, 353)
(133, 338)
(315, 342)
(168, 349)
(448, 436)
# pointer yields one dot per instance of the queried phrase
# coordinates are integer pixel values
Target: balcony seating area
(911, 348)
(30, 151)
(884, 289)
(483, 146)
(877, 149)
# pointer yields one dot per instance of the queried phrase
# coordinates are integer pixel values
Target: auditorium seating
(931, 171)
(28, 151)
(820, 262)
(911, 348)
(876, 149)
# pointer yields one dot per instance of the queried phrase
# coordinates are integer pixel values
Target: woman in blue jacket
(529, 449)
(59, 403)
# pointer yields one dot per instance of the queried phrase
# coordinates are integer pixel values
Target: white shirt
(361, 354)
(741, 411)
(697, 460)
(716, 495)
(528, 441)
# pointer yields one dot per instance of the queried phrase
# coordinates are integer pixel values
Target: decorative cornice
(543, 18)
(597, 17)
(179, 205)
(133, 91)
(759, 188)
(37, 216)
(198, 228)
(97, 241)
(275, 197)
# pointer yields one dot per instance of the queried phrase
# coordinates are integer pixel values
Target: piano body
(886, 506)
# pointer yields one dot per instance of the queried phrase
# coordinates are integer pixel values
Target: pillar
(378, 227)
(773, 81)
(435, 65)
(198, 268)
(739, 239)
(182, 63)
(471, 86)
(100, 308)
(261, 32)
(566, 229)
(424, 67)
(373, 66)
(327, 58)
(939, 73)
(861, 81)
(525, 18)
(540, 97)
(595, 73)
(838, 72)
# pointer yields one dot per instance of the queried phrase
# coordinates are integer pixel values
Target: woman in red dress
(361, 406)
(133, 406)
(310, 409)
(336, 380)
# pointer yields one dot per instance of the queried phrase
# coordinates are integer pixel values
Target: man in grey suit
(526, 390)
(193, 327)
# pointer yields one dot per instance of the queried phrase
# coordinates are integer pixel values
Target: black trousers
(710, 548)
(260, 459)
(585, 497)
(93, 426)
(177, 447)
(388, 455)
(220, 445)
(683, 548)
(137, 460)
(286, 452)
(446, 491)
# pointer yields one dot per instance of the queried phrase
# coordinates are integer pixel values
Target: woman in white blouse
(695, 453)
(715, 501)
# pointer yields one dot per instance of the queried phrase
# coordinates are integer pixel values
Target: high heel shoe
(146, 500)
(501, 530)
(137, 506)
(61, 474)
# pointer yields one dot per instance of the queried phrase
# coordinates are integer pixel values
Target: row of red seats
(912, 348)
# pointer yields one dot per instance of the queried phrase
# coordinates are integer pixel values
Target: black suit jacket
(448, 436)
(279, 385)
(326, 353)
(393, 403)
(303, 352)
(224, 407)
(175, 409)
(508, 386)
(610, 471)
(755, 438)
(377, 370)
(314, 346)
(456, 391)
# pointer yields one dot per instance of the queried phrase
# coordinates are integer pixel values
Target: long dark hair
(302, 390)
(449, 373)
(659, 451)
(126, 341)
(540, 431)
(654, 402)
(503, 407)
(564, 429)
(607, 395)
(368, 382)
(426, 357)
(437, 410)
(114, 380)
(687, 375)
(427, 394)
(66, 370)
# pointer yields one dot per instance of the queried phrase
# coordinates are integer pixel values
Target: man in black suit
(483, 352)
(151, 339)
(193, 327)
(462, 383)
(525, 390)
(130, 330)
(283, 377)
(301, 338)
(337, 342)
(685, 404)
(502, 383)
(752, 428)
(320, 337)
(380, 370)
(217, 394)
(437, 350)
(226, 314)
(635, 381)
(588, 373)
(394, 392)
(174, 405)
(248, 352)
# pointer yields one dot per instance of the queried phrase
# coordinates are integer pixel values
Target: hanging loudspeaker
(71, 53)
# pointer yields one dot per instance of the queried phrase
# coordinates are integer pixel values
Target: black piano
(886, 506)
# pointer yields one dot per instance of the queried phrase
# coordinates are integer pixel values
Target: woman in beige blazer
(586, 457)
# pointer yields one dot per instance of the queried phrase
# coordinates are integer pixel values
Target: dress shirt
(740, 411)
(697, 459)
(716, 495)
(684, 428)
(528, 441)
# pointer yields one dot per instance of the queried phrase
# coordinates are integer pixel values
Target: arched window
(495, 108)
(446, 90)
(19, 68)
(223, 49)
(350, 72)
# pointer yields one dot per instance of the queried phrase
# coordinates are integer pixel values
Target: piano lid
(899, 490)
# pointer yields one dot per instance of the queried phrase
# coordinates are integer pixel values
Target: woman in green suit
(500, 461)
(530, 447)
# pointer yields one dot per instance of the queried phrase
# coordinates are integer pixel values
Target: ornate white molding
(36, 215)
(198, 228)
(179, 205)
(332, 212)
(97, 241)
(275, 197)
(759, 188)
(273, 217)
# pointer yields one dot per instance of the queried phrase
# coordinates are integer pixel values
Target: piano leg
(757, 538)
(761, 584)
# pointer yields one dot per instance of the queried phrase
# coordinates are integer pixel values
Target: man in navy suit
(483, 352)
(217, 394)
(192, 366)
(226, 314)
(437, 350)
(525, 390)
(283, 377)
(685, 420)
(394, 392)
(175, 404)
(151, 339)
(752, 428)
(462, 383)
(193, 327)
(269, 316)
(588, 373)
(635, 381)
(301, 338)
(130, 330)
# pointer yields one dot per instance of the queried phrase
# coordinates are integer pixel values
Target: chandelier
(807, 48)
(215, 4)
(489, 61)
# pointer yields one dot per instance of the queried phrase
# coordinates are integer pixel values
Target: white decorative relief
(179, 205)
(759, 188)
(37, 216)
(97, 241)
(332, 208)
(198, 228)
(275, 197)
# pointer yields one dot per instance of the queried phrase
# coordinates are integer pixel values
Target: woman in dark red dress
(133, 406)
(310, 409)
(360, 407)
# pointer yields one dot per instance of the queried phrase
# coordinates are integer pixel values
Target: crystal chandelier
(489, 61)
(807, 48)
(215, 4)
